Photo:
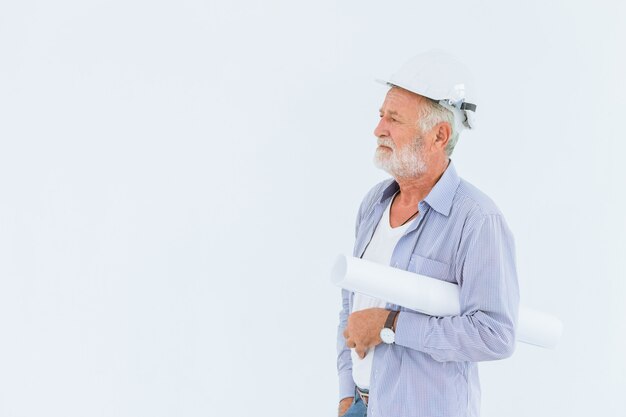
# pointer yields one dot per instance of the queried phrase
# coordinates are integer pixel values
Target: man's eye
(393, 119)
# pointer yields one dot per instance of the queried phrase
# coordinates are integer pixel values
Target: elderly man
(393, 361)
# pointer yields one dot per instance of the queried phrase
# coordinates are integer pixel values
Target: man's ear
(443, 132)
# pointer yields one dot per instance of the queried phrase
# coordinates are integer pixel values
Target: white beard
(406, 162)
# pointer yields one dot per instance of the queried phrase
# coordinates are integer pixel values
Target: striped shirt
(459, 236)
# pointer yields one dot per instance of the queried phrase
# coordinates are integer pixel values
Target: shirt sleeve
(489, 301)
(344, 360)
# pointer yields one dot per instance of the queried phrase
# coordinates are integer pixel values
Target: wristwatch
(387, 334)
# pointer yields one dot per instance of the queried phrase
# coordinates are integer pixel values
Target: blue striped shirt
(459, 236)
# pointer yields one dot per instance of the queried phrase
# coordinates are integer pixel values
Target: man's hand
(344, 405)
(363, 329)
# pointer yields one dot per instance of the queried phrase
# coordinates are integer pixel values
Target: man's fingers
(361, 352)
(345, 333)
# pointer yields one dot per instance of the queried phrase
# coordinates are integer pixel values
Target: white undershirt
(380, 250)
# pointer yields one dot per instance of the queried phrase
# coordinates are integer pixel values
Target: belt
(363, 394)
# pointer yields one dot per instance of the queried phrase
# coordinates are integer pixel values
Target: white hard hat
(440, 77)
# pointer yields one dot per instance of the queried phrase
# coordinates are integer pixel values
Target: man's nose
(381, 128)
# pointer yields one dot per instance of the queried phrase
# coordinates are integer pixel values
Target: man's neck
(414, 190)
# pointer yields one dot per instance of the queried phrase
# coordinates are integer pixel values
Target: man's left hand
(362, 331)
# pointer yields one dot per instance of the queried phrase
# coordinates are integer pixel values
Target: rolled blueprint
(432, 296)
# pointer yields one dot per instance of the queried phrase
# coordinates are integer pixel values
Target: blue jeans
(358, 407)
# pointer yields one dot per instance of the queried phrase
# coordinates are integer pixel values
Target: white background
(177, 177)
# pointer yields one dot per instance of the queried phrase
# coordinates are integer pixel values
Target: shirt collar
(440, 197)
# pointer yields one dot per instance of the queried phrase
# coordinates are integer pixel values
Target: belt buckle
(364, 395)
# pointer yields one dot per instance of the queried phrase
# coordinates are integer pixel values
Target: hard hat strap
(468, 106)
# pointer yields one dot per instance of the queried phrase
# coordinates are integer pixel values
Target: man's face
(401, 145)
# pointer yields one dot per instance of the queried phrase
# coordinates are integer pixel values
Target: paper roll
(432, 296)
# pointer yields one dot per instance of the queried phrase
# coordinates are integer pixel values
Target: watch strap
(390, 318)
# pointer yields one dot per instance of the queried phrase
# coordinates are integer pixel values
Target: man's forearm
(473, 337)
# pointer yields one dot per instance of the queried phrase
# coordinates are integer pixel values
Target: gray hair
(433, 113)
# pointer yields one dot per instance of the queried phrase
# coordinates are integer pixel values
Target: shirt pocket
(430, 268)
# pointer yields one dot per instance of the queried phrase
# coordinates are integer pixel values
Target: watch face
(387, 335)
